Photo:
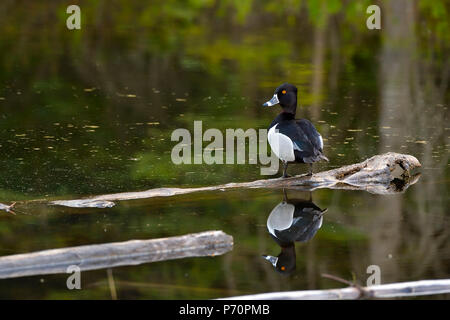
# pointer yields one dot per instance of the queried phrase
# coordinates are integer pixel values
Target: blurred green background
(91, 111)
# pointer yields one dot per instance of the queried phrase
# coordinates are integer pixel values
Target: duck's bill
(273, 260)
(272, 101)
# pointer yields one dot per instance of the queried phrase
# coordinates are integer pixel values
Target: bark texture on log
(108, 255)
(388, 173)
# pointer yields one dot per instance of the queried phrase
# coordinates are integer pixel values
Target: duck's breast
(281, 217)
(281, 145)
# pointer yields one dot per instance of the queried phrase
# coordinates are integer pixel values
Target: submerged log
(392, 290)
(388, 173)
(108, 255)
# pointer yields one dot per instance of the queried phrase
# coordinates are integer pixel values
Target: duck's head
(285, 262)
(286, 96)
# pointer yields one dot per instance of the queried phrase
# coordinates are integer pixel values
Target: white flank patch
(281, 217)
(321, 141)
(320, 222)
(281, 145)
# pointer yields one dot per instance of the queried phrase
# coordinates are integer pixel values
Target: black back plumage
(304, 136)
(306, 223)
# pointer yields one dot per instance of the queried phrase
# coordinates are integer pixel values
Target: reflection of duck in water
(289, 222)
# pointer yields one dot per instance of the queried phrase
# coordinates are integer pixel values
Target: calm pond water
(90, 112)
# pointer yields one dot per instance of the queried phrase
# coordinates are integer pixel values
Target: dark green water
(92, 111)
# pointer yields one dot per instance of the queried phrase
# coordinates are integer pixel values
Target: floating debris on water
(86, 203)
(128, 95)
(8, 208)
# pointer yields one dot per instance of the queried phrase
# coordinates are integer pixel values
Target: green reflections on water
(358, 230)
(92, 111)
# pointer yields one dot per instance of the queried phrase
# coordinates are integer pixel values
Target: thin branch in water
(111, 284)
(8, 208)
(362, 292)
(382, 291)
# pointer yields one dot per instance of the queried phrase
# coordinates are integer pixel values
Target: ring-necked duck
(290, 139)
(289, 222)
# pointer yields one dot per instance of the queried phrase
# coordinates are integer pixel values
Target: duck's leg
(284, 195)
(285, 165)
(310, 173)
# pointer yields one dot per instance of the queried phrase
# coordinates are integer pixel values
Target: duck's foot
(286, 176)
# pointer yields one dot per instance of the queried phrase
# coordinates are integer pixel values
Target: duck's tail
(317, 157)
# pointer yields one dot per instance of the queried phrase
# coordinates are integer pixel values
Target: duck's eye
(283, 267)
(283, 92)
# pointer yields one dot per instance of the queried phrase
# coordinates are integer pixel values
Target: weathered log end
(391, 164)
(387, 173)
(383, 168)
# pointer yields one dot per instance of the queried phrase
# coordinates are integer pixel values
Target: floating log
(108, 255)
(388, 173)
(392, 290)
